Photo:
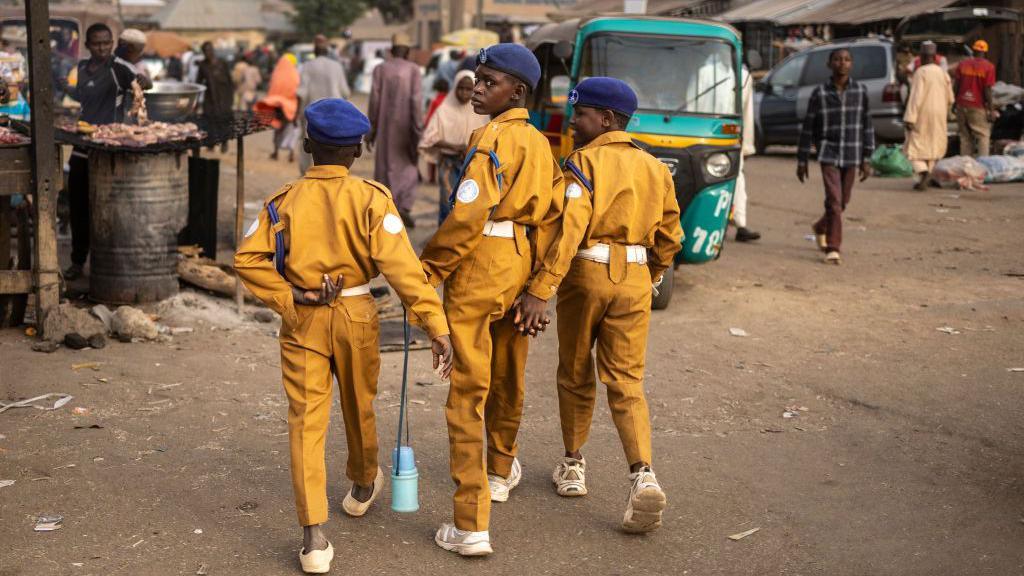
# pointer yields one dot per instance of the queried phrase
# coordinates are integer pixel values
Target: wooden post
(47, 282)
(239, 213)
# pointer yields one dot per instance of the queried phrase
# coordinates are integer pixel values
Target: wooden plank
(15, 170)
(239, 214)
(44, 161)
(15, 281)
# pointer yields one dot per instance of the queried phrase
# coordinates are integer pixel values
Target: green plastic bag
(889, 162)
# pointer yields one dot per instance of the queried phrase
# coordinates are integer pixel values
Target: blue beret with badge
(605, 93)
(514, 59)
(336, 122)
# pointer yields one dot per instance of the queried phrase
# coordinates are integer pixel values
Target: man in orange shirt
(973, 83)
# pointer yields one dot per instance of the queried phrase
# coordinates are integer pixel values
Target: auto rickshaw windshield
(670, 74)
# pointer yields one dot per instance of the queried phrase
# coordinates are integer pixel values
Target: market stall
(139, 201)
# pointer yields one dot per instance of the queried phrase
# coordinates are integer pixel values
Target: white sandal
(354, 507)
(317, 561)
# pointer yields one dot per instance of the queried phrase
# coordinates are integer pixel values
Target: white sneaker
(317, 561)
(569, 477)
(463, 542)
(646, 503)
(500, 487)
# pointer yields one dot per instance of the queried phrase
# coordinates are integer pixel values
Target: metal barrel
(139, 203)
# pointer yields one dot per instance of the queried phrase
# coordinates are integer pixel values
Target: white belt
(356, 290)
(602, 253)
(503, 229)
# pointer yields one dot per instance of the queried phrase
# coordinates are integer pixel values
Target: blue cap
(514, 59)
(604, 93)
(336, 122)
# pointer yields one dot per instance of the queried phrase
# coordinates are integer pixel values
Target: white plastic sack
(1014, 149)
(961, 172)
(1003, 168)
(1004, 94)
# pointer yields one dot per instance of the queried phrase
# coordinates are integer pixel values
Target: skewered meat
(138, 110)
(141, 136)
(8, 136)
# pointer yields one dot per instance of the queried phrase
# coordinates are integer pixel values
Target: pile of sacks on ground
(966, 173)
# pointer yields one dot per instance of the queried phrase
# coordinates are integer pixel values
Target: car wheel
(660, 302)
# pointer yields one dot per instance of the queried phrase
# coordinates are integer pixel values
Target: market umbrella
(166, 44)
(471, 38)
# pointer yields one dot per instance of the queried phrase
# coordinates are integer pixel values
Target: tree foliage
(329, 17)
(394, 10)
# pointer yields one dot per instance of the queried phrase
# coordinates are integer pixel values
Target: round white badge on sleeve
(392, 224)
(573, 190)
(468, 191)
(253, 227)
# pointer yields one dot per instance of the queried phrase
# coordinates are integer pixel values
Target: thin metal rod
(402, 404)
(239, 213)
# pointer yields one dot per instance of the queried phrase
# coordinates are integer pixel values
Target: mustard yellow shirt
(633, 203)
(530, 193)
(335, 223)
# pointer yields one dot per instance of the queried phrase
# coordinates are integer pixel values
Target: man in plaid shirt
(838, 125)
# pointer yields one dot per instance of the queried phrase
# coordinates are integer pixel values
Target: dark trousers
(838, 188)
(78, 203)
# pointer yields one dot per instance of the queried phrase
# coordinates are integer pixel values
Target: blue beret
(606, 94)
(514, 59)
(336, 122)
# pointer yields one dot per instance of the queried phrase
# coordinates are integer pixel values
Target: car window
(868, 63)
(789, 73)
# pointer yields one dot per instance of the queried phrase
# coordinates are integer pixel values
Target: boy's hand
(865, 170)
(328, 292)
(531, 315)
(801, 172)
(441, 347)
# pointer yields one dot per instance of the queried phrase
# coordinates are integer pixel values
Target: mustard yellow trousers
(606, 308)
(487, 383)
(340, 339)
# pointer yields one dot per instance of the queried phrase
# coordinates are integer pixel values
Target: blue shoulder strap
(462, 172)
(278, 238)
(579, 175)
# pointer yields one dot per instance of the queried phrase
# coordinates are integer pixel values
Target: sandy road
(907, 459)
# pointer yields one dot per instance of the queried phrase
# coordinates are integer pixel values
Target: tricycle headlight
(718, 164)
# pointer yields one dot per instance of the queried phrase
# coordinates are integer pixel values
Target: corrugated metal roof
(211, 15)
(592, 7)
(786, 12)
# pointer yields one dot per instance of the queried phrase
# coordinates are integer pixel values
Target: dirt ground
(904, 456)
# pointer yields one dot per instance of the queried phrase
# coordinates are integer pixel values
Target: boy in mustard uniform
(620, 231)
(310, 256)
(504, 214)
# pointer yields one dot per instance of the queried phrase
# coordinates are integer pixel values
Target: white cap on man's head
(133, 36)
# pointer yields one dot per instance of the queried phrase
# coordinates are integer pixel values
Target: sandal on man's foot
(316, 561)
(354, 507)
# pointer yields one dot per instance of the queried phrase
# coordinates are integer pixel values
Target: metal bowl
(172, 101)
